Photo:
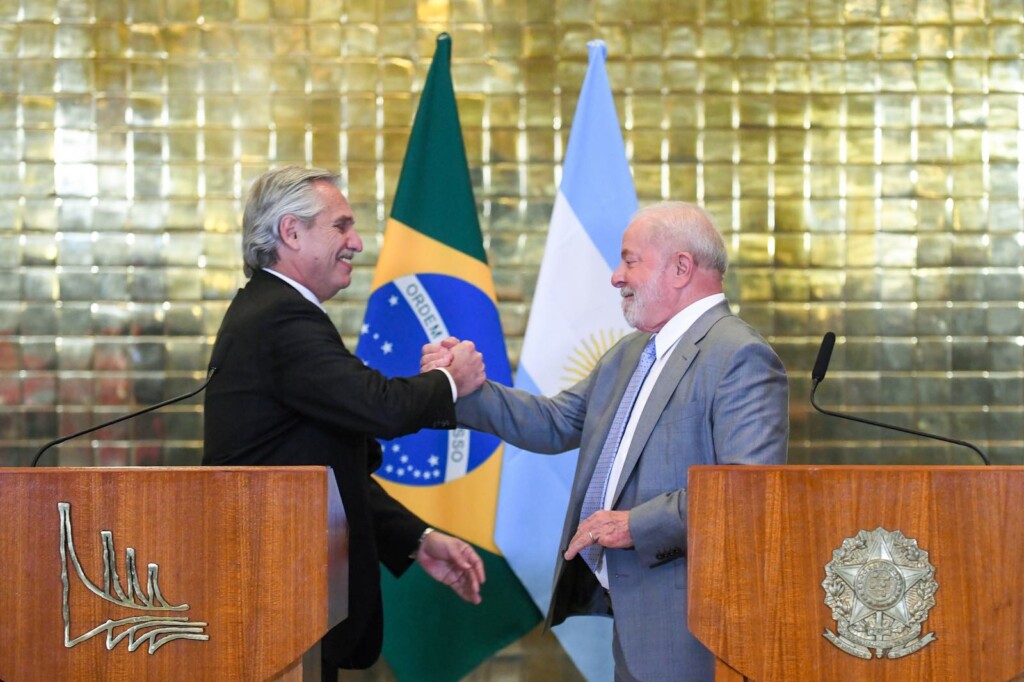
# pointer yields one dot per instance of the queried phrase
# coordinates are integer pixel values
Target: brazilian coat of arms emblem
(880, 587)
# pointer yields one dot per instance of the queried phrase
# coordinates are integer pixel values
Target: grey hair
(681, 226)
(273, 195)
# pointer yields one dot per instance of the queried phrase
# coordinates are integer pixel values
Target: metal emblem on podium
(880, 587)
(156, 630)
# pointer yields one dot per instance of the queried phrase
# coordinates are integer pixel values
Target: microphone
(818, 374)
(170, 401)
(821, 364)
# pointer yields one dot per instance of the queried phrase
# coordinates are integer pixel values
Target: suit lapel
(679, 362)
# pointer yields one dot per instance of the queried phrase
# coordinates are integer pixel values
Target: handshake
(461, 359)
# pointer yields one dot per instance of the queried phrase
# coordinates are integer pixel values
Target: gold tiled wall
(863, 157)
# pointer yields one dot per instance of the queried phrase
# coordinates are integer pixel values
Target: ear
(290, 229)
(683, 267)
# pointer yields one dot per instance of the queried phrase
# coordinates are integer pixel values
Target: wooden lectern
(760, 538)
(192, 573)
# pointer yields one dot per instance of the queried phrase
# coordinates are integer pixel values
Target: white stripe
(575, 300)
(458, 454)
(423, 307)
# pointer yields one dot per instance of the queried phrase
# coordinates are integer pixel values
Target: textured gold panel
(863, 159)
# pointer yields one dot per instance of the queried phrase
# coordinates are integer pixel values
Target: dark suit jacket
(288, 392)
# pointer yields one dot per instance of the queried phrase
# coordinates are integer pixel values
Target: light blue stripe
(588, 641)
(595, 174)
(526, 382)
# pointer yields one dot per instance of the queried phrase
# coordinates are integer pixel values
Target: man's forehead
(333, 199)
(635, 237)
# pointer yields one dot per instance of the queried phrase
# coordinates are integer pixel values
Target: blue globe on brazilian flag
(433, 281)
(401, 316)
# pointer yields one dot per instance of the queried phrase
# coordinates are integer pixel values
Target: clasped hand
(462, 360)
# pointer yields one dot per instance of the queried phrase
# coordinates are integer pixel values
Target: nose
(355, 241)
(619, 276)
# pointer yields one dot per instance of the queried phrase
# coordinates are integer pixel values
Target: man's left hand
(453, 562)
(606, 528)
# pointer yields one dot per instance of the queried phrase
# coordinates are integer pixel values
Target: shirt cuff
(451, 382)
(426, 531)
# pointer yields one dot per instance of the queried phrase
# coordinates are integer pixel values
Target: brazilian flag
(433, 281)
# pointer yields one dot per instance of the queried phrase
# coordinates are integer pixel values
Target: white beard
(635, 309)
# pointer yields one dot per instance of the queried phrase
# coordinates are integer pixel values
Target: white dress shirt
(664, 342)
(306, 293)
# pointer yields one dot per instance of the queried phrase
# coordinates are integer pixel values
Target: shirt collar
(679, 323)
(306, 293)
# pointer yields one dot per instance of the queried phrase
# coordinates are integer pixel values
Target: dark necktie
(594, 499)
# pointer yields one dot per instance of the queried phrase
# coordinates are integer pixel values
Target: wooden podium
(760, 539)
(193, 573)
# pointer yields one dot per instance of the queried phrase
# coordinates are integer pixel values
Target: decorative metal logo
(880, 588)
(161, 629)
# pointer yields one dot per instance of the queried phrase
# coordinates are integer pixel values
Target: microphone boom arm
(116, 420)
(913, 432)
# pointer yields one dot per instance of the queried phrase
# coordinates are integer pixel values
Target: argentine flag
(576, 317)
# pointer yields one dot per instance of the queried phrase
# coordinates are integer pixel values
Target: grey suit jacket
(722, 398)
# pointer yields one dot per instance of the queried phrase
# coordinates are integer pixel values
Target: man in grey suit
(704, 389)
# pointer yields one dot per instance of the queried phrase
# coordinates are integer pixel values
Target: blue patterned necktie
(594, 499)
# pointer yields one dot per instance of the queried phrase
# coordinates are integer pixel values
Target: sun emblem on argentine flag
(588, 351)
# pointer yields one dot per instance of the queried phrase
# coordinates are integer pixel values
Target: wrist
(423, 538)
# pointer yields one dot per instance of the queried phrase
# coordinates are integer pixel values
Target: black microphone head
(824, 357)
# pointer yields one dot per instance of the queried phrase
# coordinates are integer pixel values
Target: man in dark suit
(288, 392)
(694, 385)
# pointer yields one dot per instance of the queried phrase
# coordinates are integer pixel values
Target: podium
(766, 548)
(191, 573)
